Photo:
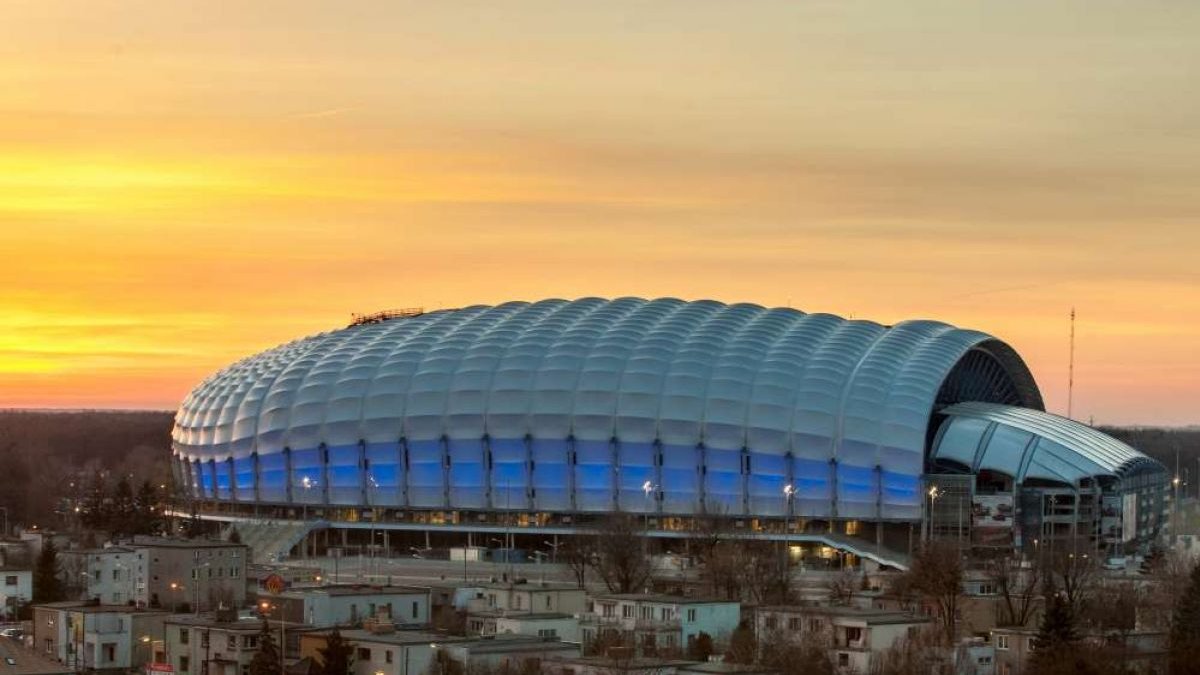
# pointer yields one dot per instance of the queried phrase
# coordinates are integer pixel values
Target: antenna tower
(1071, 370)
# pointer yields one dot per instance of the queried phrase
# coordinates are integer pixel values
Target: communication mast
(1071, 370)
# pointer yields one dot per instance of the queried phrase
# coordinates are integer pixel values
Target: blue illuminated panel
(345, 485)
(426, 486)
(856, 480)
(593, 475)
(813, 480)
(385, 474)
(223, 479)
(765, 484)
(272, 477)
(636, 461)
(202, 487)
(307, 479)
(551, 474)
(510, 483)
(723, 481)
(680, 478)
(467, 485)
(243, 478)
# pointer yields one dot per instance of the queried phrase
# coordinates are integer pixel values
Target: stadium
(537, 419)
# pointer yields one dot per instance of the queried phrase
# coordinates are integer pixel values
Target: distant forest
(48, 459)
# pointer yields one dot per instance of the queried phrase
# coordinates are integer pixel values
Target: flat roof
(247, 624)
(511, 642)
(517, 614)
(870, 616)
(396, 637)
(86, 607)
(355, 589)
(164, 542)
(665, 599)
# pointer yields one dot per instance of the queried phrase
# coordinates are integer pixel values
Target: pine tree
(1185, 629)
(336, 655)
(46, 585)
(266, 660)
(124, 515)
(1056, 647)
(701, 648)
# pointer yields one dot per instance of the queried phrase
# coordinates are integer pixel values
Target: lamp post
(175, 588)
(648, 489)
(933, 493)
(264, 609)
(789, 493)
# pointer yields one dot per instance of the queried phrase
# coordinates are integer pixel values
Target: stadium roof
(1032, 444)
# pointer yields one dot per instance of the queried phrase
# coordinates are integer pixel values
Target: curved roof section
(1026, 444)
(728, 376)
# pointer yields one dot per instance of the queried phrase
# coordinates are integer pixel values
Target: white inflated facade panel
(587, 405)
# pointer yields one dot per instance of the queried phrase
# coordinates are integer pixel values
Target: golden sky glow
(182, 184)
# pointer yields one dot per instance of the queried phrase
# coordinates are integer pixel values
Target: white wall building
(655, 624)
(16, 589)
(854, 636)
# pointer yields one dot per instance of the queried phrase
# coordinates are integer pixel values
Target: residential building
(528, 597)
(659, 624)
(1139, 651)
(376, 651)
(86, 635)
(349, 604)
(504, 651)
(223, 643)
(113, 575)
(16, 589)
(202, 573)
(855, 636)
(555, 625)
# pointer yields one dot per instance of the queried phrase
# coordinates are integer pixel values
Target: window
(794, 623)
(987, 589)
(416, 609)
(627, 611)
(250, 642)
(10, 580)
(364, 654)
(667, 614)
(547, 602)
(548, 632)
(110, 651)
(691, 615)
(609, 610)
(231, 642)
(771, 622)
(853, 633)
(184, 662)
(387, 656)
(116, 575)
(647, 613)
(1029, 645)
(843, 660)
(1001, 642)
(814, 625)
(184, 634)
(234, 572)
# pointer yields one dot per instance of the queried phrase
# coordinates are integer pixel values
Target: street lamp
(933, 493)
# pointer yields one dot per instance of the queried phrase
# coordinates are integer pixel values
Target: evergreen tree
(46, 585)
(235, 537)
(146, 505)
(335, 656)
(1185, 629)
(266, 660)
(124, 509)
(1056, 647)
(743, 648)
(701, 648)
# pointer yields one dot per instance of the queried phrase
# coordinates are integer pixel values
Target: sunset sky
(183, 184)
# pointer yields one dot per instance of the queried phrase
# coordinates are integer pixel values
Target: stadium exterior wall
(660, 406)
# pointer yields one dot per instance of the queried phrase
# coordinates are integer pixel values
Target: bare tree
(578, 552)
(791, 655)
(842, 587)
(765, 571)
(1072, 571)
(1166, 577)
(920, 653)
(621, 559)
(1018, 586)
(937, 575)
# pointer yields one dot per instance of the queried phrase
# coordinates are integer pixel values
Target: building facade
(855, 637)
(91, 636)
